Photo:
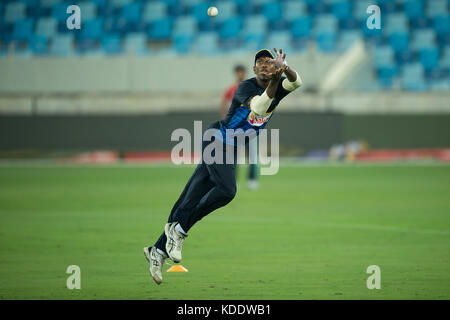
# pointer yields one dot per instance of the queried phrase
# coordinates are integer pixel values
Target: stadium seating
(136, 44)
(413, 40)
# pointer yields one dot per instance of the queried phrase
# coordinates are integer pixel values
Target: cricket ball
(212, 12)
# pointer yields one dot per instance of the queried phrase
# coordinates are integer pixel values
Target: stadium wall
(299, 131)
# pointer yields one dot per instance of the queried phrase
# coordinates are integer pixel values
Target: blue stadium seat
(29, 2)
(14, 11)
(272, 11)
(301, 27)
(136, 43)
(360, 9)
(48, 3)
(279, 39)
(88, 10)
(293, 9)
(386, 76)
(441, 25)
(326, 23)
(399, 41)
(439, 85)
(255, 24)
(445, 60)
(230, 28)
(434, 74)
(342, 9)
(403, 57)
(429, 58)
(98, 3)
(21, 49)
(436, 8)
(227, 9)
(119, 3)
(87, 47)
(23, 29)
(412, 77)
(420, 23)
(316, 7)
(189, 3)
(396, 23)
(46, 27)
(182, 43)
(423, 38)
(92, 29)
(160, 29)
(387, 6)
(38, 45)
(170, 2)
(326, 41)
(413, 9)
(254, 41)
(101, 7)
(209, 25)
(246, 8)
(59, 12)
(207, 43)
(383, 56)
(259, 3)
(350, 23)
(200, 12)
(62, 45)
(348, 38)
(153, 11)
(131, 12)
(111, 44)
(185, 25)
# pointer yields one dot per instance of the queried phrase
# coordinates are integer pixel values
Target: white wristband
(260, 104)
(291, 86)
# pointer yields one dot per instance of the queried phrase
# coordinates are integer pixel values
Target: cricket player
(213, 185)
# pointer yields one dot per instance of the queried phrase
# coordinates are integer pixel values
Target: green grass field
(310, 232)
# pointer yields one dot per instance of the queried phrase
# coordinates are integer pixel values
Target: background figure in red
(240, 73)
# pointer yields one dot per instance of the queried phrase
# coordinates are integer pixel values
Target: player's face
(263, 68)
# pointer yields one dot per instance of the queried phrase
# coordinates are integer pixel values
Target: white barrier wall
(135, 74)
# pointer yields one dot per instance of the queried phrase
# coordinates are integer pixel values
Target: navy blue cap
(263, 53)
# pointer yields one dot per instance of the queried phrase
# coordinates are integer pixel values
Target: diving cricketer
(213, 185)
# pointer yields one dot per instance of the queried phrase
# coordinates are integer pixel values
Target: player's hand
(276, 74)
(280, 57)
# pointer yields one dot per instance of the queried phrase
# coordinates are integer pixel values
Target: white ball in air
(212, 11)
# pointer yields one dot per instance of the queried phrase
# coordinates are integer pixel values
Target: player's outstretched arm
(260, 104)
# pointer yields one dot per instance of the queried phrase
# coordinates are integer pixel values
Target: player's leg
(194, 190)
(252, 181)
(224, 189)
(220, 189)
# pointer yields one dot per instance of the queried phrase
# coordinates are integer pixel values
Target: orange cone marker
(177, 268)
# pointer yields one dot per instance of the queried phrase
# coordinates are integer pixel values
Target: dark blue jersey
(239, 114)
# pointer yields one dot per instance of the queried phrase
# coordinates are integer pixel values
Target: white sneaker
(174, 242)
(156, 261)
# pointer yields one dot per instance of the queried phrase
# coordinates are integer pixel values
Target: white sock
(180, 229)
(161, 252)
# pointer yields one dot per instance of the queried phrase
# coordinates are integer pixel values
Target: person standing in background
(240, 72)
